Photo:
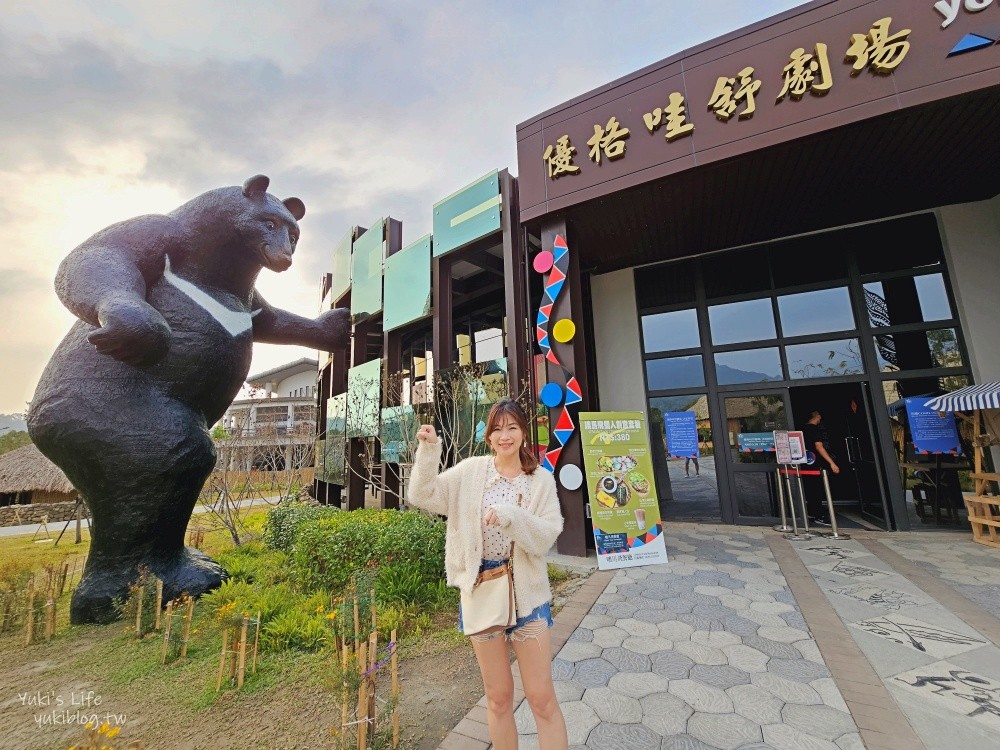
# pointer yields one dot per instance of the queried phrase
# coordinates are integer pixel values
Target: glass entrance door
(746, 448)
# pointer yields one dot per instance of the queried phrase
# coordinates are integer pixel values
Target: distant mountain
(12, 422)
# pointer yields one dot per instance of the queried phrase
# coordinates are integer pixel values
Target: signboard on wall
(682, 434)
(628, 530)
(932, 433)
(756, 442)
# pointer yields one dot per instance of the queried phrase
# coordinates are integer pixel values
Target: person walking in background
(687, 463)
(817, 442)
(490, 501)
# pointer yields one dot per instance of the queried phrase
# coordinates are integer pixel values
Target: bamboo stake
(30, 630)
(256, 642)
(50, 620)
(159, 603)
(372, 661)
(362, 712)
(167, 627)
(394, 672)
(138, 611)
(62, 579)
(222, 660)
(241, 674)
(357, 624)
(187, 628)
(372, 595)
(344, 696)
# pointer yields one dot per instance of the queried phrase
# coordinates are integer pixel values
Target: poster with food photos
(624, 508)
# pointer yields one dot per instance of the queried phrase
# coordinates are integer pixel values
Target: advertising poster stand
(628, 530)
(789, 448)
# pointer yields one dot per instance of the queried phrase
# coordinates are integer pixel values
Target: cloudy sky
(362, 109)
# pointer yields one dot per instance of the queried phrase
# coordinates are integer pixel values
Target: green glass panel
(364, 399)
(330, 456)
(342, 266)
(399, 431)
(408, 284)
(366, 271)
(465, 216)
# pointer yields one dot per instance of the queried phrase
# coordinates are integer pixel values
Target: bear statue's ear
(295, 207)
(256, 186)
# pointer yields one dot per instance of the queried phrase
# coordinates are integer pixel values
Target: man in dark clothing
(817, 442)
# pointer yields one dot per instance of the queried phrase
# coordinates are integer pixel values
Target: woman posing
(491, 501)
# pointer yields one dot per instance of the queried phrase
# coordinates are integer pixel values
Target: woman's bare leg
(498, 682)
(533, 646)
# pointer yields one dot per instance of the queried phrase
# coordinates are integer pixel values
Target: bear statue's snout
(278, 258)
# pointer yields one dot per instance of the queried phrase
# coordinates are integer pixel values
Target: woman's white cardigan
(458, 494)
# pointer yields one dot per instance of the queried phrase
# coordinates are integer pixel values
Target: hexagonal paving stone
(715, 638)
(594, 672)
(787, 690)
(746, 658)
(822, 721)
(665, 714)
(672, 665)
(782, 634)
(621, 610)
(583, 635)
(579, 650)
(771, 648)
(645, 602)
(562, 669)
(758, 705)
(794, 620)
(524, 719)
(568, 690)
(647, 645)
(593, 622)
(699, 622)
(771, 608)
(638, 685)
(637, 627)
(723, 676)
(782, 737)
(654, 616)
(734, 602)
(624, 737)
(702, 654)
(715, 591)
(580, 721)
(674, 630)
(610, 636)
(851, 742)
(726, 731)
(765, 620)
(809, 650)
(678, 605)
(701, 697)
(613, 707)
(627, 661)
(829, 692)
(685, 742)
(800, 670)
(740, 626)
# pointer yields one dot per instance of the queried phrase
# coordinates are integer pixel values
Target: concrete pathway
(745, 641)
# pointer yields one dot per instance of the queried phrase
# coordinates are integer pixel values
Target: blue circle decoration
(551, 395)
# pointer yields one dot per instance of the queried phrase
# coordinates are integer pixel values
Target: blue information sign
(933, 433)
(682, 434)
(756, 442)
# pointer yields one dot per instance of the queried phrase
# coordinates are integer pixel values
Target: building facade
(799, 216)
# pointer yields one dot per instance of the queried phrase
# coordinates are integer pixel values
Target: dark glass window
(675, 372)
(919, 350)
(911, 299)
(821, 311)
(665, 284)
(914, 242)
(824, 359)
(810, 260)
(736, 322)
(668, 331)
(748, 366)
(741, 272)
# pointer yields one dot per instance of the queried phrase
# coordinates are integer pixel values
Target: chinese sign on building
(623, 499)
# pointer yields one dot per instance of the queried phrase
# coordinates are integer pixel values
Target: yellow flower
(104, 727)
(331, 615)
(89, 725)
(319, 609)
(114, 732)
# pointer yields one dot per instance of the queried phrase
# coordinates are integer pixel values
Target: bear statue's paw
(93, 600)
(189, 571)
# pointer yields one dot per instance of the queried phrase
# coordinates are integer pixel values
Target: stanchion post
(802, 503)
(829, 508)
(784, 527)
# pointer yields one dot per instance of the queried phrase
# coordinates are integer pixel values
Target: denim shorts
(541, 612)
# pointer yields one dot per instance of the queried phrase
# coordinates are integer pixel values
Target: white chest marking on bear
(236, 322)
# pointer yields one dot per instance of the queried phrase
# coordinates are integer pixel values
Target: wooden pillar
(573, 356)
(443, 344)
(392, 348)
(515, 292)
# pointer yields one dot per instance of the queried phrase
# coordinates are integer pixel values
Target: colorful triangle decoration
(573, 394)
(545, 310)
(553, 289)
(552, 457)
(555, 276)
(565, 421)
(541, 335)
(541, 319)
(970, 43)
(551, 357)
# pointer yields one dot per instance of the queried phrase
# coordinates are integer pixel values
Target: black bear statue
(168, 315)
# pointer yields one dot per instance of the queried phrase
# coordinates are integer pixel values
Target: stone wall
(56, 512)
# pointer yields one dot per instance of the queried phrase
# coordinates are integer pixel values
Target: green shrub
(294, 630)
(285, 520)
(253, 563)
(328, 551)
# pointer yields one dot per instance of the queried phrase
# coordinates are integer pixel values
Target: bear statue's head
(270, 226)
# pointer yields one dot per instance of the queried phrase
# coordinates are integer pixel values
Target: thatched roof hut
(27, 470)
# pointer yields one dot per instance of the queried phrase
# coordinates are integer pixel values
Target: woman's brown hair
(513, 410)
